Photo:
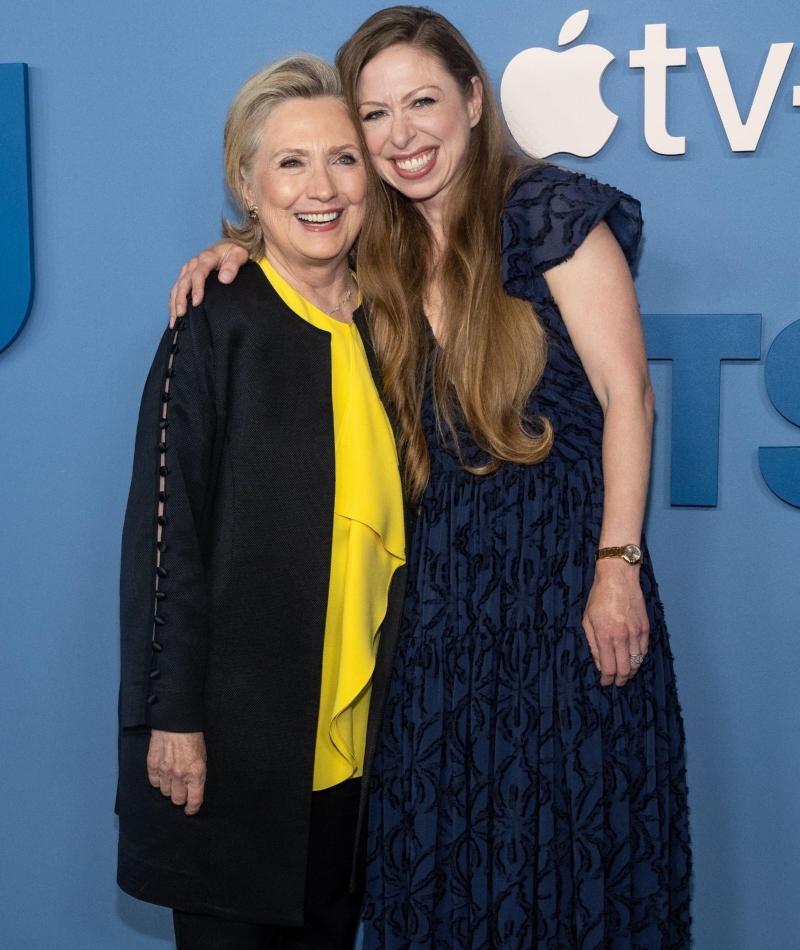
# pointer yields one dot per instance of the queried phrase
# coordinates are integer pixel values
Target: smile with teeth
(416, 162)
(324, 218)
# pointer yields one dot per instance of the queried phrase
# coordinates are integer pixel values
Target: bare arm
(224, 256)
(595, 294)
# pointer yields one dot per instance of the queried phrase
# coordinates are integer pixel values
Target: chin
(322, 254)
(419, 189)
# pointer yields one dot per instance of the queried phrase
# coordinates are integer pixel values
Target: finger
(644, 640)
(183, 287)
(173, 301)
(591, 639)
(179, 792)
(608, 661)
(176, 308)
(638, 647)
(624, 663)
(153, 762)
(182, 290)
(232, 260)
(194, 797)
(174, 297)
(198, 287)
(165, 783)
(203, 265)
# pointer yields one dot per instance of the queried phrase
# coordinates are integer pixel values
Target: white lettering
(744, 137)
(655, 59)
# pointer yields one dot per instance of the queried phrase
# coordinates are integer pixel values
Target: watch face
(632, 554)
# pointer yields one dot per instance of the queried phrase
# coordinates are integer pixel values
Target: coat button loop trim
(163, 472)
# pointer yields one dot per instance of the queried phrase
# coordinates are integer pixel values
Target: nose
(402, 131)
(321, 183)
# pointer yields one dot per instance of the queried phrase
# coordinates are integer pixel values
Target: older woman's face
(309, 182)
(416, 121)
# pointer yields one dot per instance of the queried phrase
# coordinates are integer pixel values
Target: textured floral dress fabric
(516, 803)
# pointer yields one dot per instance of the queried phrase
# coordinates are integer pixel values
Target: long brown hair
(494, 348)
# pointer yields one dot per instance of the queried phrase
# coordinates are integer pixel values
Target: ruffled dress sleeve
(549, 211)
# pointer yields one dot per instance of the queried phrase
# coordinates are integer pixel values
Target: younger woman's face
(416, 122)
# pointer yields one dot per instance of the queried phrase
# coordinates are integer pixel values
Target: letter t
(696, 342)
(655, 59)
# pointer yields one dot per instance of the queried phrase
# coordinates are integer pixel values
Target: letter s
(16, 231)
(780, 465)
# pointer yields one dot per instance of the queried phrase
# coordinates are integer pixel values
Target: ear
(247, 194)
(475, 102)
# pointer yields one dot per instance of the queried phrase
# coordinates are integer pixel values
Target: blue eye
(290, 163)
(424, 101)
(371, 116)
(347, 159)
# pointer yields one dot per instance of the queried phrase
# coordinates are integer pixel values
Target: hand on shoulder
(224, 256)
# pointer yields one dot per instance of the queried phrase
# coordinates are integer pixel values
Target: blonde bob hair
(300, 76)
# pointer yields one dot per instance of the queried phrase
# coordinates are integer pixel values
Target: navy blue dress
(515, 803)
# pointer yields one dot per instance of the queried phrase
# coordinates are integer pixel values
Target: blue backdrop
(127, 103)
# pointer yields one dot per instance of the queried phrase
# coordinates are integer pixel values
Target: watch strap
(631, 553)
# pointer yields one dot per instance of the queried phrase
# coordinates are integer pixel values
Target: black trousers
(331, 911)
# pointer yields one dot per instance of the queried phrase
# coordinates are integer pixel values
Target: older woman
(529, 788)
(262, 555)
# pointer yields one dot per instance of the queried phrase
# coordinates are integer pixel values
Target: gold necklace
(346, 297)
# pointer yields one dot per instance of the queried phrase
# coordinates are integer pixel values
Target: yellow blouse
(368, 543)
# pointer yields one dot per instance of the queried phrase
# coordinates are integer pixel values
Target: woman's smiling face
(309, 182)
(416, 122)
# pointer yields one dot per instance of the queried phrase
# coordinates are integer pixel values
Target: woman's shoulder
(248, 285)
(550, 210)
(248, 303)
(541, 177)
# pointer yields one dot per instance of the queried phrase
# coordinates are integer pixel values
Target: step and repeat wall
(110, 177)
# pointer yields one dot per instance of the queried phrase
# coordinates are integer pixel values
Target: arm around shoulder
(225, 256)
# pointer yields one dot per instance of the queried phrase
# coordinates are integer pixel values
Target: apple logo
(552, 101)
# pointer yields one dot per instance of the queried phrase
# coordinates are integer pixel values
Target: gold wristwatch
(631, 553)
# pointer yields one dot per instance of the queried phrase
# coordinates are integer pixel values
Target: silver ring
(637, 657)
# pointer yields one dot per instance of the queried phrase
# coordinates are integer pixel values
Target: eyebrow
(304, 153)
(408, 96)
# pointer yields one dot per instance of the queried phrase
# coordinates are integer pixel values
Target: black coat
(236, 647)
